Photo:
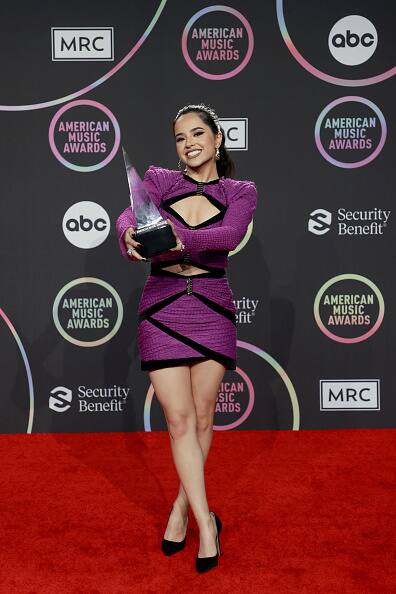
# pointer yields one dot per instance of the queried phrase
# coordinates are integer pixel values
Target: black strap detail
(148, 365)
(216, 307)
(194, 181)
(166, 205)
(157, 306)
(228, 361)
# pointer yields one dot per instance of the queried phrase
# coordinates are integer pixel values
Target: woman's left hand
(179, 244)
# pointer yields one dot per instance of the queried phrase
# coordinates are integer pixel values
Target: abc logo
(86, 224)
(353, 40)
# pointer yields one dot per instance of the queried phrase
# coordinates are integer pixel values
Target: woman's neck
(207, 172)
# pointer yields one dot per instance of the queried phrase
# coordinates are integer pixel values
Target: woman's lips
(194, 153)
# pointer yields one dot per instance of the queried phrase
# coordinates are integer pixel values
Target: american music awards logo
(349, 308)
(84, 135)
(87, 312)
(217, 42)
(350, 132)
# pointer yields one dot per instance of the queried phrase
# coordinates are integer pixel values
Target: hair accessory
(201, 107)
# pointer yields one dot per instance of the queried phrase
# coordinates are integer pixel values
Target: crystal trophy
(152, 231)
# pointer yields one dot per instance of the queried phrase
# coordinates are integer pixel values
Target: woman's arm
(234, 226)
(124, 221)
(153, 181)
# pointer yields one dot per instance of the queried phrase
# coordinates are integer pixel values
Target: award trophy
(152, 231)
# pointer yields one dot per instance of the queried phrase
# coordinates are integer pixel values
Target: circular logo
(350, 132)
(217, 42)
(87, 312)
(84, 135)
(353, 40)
(349, 308)
(86, 224)
(346, 82)
(234, 402)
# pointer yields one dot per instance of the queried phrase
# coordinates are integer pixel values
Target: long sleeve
(233, 229)
(152, 183)
(124, 221)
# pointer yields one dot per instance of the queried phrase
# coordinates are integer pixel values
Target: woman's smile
(191, 154)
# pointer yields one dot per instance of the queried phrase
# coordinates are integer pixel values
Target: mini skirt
(186, 318)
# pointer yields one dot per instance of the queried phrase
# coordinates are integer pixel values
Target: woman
(187, 327)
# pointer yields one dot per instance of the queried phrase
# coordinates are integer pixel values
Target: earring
(217, 154)
(179, 166)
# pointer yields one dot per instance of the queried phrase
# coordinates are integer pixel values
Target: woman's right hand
(132, 244)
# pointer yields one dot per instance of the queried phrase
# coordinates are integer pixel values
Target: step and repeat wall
(305, 94)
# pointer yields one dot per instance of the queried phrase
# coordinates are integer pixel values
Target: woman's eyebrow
(192, 130)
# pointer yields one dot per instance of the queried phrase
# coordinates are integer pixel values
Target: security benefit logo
(349, 223)
(350, 394)
(87, 312)
(217, 42)
(86, 224)
(353, 40)
(82, 44)
(87, 399)
(349, 308)
(246, 308)
(350, 132)
(236, 133)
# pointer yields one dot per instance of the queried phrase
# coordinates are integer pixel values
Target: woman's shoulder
(161, 176)
(235, 187)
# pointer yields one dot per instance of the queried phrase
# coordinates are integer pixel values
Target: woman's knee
(180, 423)
(204, 420)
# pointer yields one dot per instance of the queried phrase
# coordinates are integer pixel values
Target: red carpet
(306, 512)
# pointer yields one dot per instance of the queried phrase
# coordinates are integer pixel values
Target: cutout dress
(182, 317)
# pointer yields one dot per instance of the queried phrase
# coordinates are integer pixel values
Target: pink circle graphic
(346, 82)
(325, 111)
(249, 407)
(245, 61)
(347, 277)
(102, 108)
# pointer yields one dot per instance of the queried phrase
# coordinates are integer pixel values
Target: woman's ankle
(181, 505)
(205, 523)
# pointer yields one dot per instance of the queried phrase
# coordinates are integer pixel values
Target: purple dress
(182, 319)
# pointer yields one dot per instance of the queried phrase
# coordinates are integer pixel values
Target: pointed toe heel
(204, 564)
(170, 547)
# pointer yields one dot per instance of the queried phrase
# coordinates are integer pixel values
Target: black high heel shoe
(169, 547)
(205, 563)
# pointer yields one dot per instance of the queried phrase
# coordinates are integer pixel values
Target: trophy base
(155, 241)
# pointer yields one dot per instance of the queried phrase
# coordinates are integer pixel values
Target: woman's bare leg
(173, 388)
(206, 377)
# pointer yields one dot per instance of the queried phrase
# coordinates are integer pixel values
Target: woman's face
(195, 142)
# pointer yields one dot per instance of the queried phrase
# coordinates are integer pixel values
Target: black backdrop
(314, 277)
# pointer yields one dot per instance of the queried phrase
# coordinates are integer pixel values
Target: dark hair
(225, 165)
